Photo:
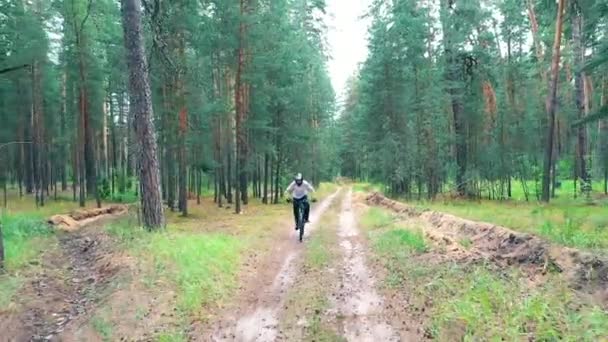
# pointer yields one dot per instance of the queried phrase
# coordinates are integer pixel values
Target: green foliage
(425, 113)
(103, 188)
(24, 238)
(125, 197)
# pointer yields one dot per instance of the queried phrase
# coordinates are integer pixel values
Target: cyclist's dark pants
(304, 201)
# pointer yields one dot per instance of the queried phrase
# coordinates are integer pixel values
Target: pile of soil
(79, 218)
(585, 271)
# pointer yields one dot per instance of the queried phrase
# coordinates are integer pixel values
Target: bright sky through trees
(347, 32)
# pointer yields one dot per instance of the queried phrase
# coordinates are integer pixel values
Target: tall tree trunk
(141, 106)
(552, 103)
(182, 129)
(183, 173)
(240, 115)
(64, 146)
(37, 127)
(579, 93)
(455, 90)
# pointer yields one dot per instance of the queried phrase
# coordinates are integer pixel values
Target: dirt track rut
(356, 305)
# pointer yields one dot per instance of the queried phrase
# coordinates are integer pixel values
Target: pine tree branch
(2, 71)
(598, 115)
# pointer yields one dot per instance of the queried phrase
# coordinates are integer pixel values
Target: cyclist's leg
(295, 211)
(306, 209)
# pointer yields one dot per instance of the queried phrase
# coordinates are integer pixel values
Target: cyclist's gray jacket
(298, 192)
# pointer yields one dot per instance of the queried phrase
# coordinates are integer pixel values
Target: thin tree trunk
(199, 184)
(183, 173)
(603, 134)
(276, 179)
(552, 103)
(64, 146)
(141, 106)
(1, 249)
(265, 195)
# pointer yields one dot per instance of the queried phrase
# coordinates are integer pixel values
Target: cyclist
(299, 189)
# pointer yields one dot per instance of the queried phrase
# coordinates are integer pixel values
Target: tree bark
(141, 106)
(579, 93)
(240, 115)
(1, 250)
(552, 103)
(453, 77)
(603, 135)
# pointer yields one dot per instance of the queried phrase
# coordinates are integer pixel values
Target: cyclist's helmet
(298, 179)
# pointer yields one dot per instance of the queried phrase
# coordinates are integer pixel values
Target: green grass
(25, 236)
(318, 255)
(466, 243)
(377, 218)
(367, 187)
(9, 285)
(489, 306)
(389, 238)
(103, 327)
(171, 337)
(479, 302)
(565, 220)
(400, 241)
(203, 266)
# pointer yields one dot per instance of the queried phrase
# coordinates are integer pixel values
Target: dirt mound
(584, 270)
(79, 218)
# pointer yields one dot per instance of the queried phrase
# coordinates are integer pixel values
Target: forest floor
(370, 269)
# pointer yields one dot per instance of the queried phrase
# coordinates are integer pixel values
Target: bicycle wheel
(301, 222)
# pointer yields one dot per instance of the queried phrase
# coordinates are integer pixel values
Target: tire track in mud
(356, 305)
(260, 320)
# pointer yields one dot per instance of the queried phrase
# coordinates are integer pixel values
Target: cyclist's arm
(310, 188)
(289, 189)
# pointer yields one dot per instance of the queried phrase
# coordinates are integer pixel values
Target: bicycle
(301, 222)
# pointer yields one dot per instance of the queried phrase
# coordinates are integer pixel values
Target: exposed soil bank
(585, 271)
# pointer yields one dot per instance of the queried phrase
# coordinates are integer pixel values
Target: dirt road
(355, 309)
